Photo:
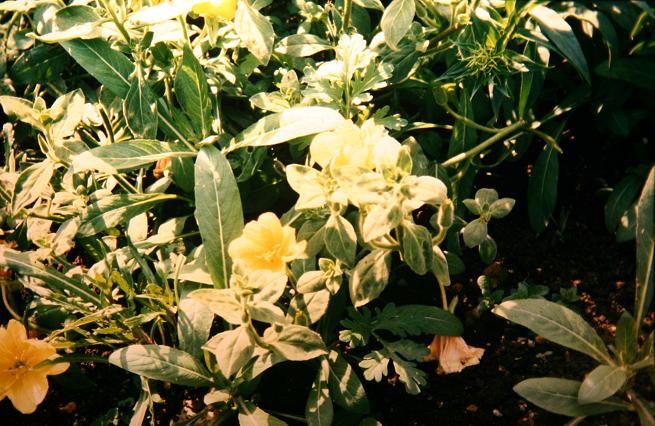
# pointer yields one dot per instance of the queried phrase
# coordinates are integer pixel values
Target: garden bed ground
(577, 253)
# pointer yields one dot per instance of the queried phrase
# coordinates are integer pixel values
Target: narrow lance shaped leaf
(126, 156)
(192, 92)
(396, 20)
(163, 363)
(287, 125)
(557, 324)
(23, 264)
(117, 209)
(560, 396)
(645, 250)
(542, 189)
(109, 67)
(218, 211)
(140, 110)
(318, 409)
(561, 34)
(30, 184)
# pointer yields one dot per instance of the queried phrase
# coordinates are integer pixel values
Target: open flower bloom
(25, 385)
(216, 9)
(266, 244)
(348, 145)
(453, 353)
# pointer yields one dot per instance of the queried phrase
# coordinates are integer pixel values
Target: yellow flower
(216, 9)
(25, 385)
(266, 244)
(453, 353)
(348, 145)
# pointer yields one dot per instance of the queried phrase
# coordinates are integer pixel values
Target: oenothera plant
(297, 124)
(607, 387)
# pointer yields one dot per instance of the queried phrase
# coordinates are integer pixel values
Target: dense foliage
(211, 188)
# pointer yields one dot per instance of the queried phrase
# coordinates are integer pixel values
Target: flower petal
(28, 392)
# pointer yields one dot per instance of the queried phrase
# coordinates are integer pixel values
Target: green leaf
(340, 239)
(251, 415)
(634, 70)
(116, 209)
(298, 343)
(417, 319)
(370, 277)
(645, 250)
(287, 125)
(31, 184)
(302, 45)
(380, 221)
(194, 320)
(475, 232)
(416, 247)
(560, 396)
(109, 67)
(560, 33)
(542, 189)
(532, 82)
(488, 250)
(192, 92)
(218, 211)
(22, 109)
(306, 309)
(255, 31)
(625, 339)
(396, 20)
(22, 263)
(222, 302)
(233, 349)
(603, 382)
(318, 409)
(67, 112)
(40, 64)
(126, 156)
(73, 22)
(163, 363)
(439, 266)
(346, 389)
(140, 110)
(370, 4)
(621, 200)
(557, 324)
(501, 208)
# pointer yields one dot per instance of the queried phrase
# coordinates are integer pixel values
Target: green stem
(501, 135)
(468, 122)
(117, 21)
(5, 300)
(546, 138)
(347, 11)
(444, 297)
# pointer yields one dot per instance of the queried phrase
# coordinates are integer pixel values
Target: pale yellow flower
(266, 244)
(25, 385)
(369, 147)
(224, 9)
(453, 353)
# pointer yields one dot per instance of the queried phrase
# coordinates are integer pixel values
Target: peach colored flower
(266, 244)
(453, 353)
(216, 9)
(25, 385)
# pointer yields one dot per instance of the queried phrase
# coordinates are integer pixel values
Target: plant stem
(444, 297)
(5, 300)
(501, 135)
(468, 122)
(117, 21)
(347, 11)
(546, 138)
